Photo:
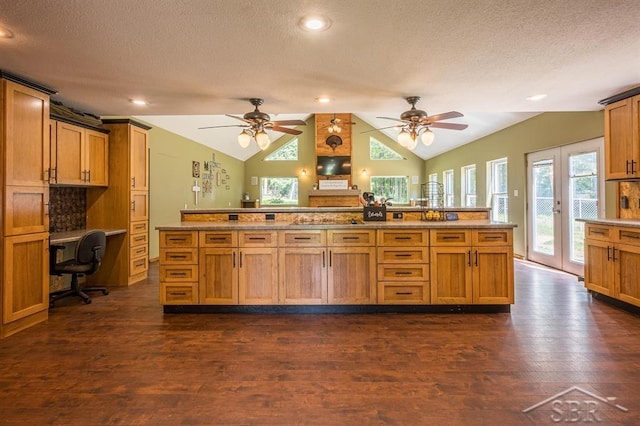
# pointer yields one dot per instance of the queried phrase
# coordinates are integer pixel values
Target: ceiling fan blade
(289, 123)
(394, 119)
(380, 128)
(217, 127)
(444, 116)
(450, 126)
(239, 118)
(285, 130)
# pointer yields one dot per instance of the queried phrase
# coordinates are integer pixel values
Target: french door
(565, 184)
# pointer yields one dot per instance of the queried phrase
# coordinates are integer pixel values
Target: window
(498, 197)
(278, 191)
(379, 151)
(395, 188)
(447, 181)
(287, 152)
(468, 187)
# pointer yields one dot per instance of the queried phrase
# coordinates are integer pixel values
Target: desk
(74, 236)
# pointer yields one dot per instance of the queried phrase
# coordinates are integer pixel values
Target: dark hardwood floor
(121, 361)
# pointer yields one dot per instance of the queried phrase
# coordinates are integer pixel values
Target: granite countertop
(633, 223)
(292, 209)
(277, 225)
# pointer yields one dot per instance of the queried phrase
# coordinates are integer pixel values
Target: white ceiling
(195, 60)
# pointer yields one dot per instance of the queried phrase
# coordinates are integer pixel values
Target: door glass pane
(543, 207)
(583, 190)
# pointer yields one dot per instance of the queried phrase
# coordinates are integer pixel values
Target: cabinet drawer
(258, 238)
(218, 239)
(403, 255)
(450, 237)
(178, 256)
(178, 293)
(362, 237)
(598, 232)
(399, 294)
(302, 238)
(403, 272)
(138, 265)
(178, 238)
(628, 235)
(491, 237)
(407, 237)
(138, 240)
(139, 251)
(175, 273)
(139, 227)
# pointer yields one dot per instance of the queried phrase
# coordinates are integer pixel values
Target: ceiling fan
(335, 124)
(416, 122)
(255, 124)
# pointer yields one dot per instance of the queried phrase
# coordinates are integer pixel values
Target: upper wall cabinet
(622, 139)
(79, 156)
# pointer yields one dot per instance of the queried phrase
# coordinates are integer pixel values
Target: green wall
(171, 180)
(256, 166)
(546, 130)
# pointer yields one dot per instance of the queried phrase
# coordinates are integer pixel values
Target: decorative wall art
(195, 169)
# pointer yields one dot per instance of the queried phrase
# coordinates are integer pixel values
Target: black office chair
(89, 254)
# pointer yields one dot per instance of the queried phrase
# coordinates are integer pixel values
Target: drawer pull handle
(597, 231)
(623, 234)
(402, 255)
(403, 293)
(140, 238)
(178, 256)
(403, 273)
(257, 238)
(493, 237)
(301, 238)
(217, 239)
(141, 263)
(177, 240)
(178, 293)
(350, 238)
(178, 274)
(139, 251)
(451, 237)
(402, 238)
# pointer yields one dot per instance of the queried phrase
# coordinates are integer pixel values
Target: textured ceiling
(206, 57)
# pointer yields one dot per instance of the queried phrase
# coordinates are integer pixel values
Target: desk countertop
(72, 236)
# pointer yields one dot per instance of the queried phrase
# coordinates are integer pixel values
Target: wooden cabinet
(258, 268)
(79, 156)
(622, 139)
(403, 266)
(178, 269)
(218, 268)
(123, 204)
(303, 274)
(472, 266)
(352, 267)
(612, 261)
(24, 192)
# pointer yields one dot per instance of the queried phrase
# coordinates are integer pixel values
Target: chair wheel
(105, 292)
(87, 301)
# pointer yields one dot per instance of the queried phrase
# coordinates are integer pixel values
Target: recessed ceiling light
(5, 32)
(140, 102)
(323, 99)
(534, 98)
(314, 23)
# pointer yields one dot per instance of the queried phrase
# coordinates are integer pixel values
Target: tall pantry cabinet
(124, 205)
(24, 192)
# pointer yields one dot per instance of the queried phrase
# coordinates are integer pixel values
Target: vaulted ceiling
(196, 60)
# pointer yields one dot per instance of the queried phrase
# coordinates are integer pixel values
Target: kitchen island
(330, 260)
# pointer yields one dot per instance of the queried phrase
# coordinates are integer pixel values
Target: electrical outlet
(233, 217)
(270, 216)
(398, 215)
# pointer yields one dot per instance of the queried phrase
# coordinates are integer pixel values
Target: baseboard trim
(336, 309)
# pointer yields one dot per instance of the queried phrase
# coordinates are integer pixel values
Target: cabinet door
(303, 277)
(97, 158)
(70, 167)
(218, 276)
(26, 284)
(492, 275)
(139, 158)
(352, 275)
(598, 268)
(627, 267)
(258, 276)
(139, 206)
(620, 148)
(26, 131)
(451, 275)
(26, 209)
